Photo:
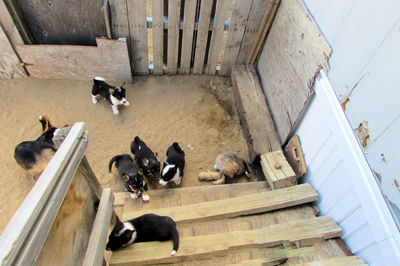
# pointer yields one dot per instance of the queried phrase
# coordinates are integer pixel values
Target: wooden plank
(347, 260)
(194, 247)
(174, 9)
(295, 157)
(107, 20)
(217, 35)
(138, 36)
(242, 205)
(202, 36)
(240, 13)
(9, 26)
(81, 22)
(257, 11)
(27, 230)
(19, 21)
(10, 65)
(158, 36)
(119, 19)
(255, 117)
(293, 53)
(98, 237)
(277, 170)
(187, 35)
(109, 60)
(263, 30)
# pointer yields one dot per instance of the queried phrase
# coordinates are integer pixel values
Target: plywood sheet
(10, 66)
(294, 52)
(109, 60)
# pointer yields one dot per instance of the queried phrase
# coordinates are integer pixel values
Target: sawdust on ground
(163, 110)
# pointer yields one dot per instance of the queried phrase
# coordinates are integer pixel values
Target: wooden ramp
(235, 224)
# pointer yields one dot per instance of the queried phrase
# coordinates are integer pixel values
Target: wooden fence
(190, 36)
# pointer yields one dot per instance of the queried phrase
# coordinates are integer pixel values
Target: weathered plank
(109, 60)
(8, 25)
(19, 21)
(202, 36)
(174, 9)
(217, 35)
(107, 20)
(255, 117)
(10, 66)
(295, 157)
(347, 260)
(81, 22)
(187, 35)
(277, 170)
(232, 207)
(240, 14)
(158, 36)
(294, 52)
(98, 237)
(194, 247)
(138, 36)
(257, 11)
(119, 19)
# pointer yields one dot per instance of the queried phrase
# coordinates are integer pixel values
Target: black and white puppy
(114, 95)
(133, 181)
(173, 165)
(148, 227)
(146, 158)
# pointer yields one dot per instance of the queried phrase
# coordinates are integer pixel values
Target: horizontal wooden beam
(277, 170)
(232, 207)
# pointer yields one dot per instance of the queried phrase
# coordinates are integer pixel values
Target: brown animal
(229, 166)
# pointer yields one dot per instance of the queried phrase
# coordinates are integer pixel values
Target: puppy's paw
(145, 197)
(115, 111)
(134, 196)
(94, 99)
(127, 103)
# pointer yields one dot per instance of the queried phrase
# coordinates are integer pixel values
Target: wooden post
(277, 170)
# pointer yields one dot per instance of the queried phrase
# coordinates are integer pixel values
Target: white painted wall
(365, 67)
(338, 170)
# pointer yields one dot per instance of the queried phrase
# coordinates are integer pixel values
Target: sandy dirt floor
(163, 110)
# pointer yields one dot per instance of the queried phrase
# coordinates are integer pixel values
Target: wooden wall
(194, 36)
(293, 54)
(10, 65)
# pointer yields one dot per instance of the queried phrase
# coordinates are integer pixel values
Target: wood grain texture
(237, 27)
(348, 260)
(138, 36)
(98, 236)
(174, 9)
(158, 36)
(9, 26)
(295, 157)
(109, 60)
(217, 35)
(277, 170)
(119, 19)
(257, 11)
(194, 247)
(187, 35)
(232, 207)
(202, 36)
(10, 65)
(294, 52)
(258, 126)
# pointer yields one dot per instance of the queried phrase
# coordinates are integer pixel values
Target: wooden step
(232, 207)
(188, 195)
(347, 260)
(304, 231)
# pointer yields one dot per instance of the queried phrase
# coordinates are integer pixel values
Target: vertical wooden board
(187, 35)
(174, 9)
(8, 25)
(217, 35)
(202, 36)
(240, 13)
(138, 36)
(119, 19)
(10, 65)
(158, 36)
(256, 15)
(294, 52)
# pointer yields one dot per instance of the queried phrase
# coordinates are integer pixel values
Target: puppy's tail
(113, 159)
(175, 240)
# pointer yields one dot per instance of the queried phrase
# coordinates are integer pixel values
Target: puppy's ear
(122, 85)
(125, 178)
(140, 171)
(110, 90)
(146, 162)
(129, 233)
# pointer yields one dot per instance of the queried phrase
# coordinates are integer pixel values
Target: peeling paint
(362, 133)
